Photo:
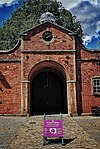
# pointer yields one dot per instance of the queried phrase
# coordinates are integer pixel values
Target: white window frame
(96, 85)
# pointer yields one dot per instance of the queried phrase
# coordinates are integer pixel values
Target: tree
(27, 16)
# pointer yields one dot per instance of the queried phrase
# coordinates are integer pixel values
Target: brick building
(49, 71)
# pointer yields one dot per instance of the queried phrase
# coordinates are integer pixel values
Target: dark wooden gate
(47, 93)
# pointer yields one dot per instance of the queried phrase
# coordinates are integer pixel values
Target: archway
(47, 93)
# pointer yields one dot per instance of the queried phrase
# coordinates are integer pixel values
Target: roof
(11, 50)
(49, 23)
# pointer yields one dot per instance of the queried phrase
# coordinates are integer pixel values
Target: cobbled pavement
(79, 133)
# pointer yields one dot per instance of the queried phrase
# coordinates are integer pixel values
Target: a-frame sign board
(52, 128)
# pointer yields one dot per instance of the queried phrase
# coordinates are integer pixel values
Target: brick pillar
(71, 87)
(74, 62)
(24, 97)
(24, 84)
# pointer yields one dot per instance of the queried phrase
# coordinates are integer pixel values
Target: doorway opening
(48, 93)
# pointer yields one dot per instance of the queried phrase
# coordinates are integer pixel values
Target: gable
(62, 38)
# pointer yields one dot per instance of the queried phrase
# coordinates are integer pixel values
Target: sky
(86, 11)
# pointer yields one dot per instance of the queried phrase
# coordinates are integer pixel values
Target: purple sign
(52, 128)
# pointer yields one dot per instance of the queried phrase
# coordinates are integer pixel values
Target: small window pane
(94, 82)
(98, 82)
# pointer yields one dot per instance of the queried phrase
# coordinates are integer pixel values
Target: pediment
(48, 35)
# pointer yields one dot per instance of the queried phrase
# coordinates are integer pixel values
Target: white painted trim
(71, 81)
(25, 81)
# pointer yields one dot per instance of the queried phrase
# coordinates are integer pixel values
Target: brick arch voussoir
(47, 64)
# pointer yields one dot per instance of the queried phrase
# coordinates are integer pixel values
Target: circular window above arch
(47, 36)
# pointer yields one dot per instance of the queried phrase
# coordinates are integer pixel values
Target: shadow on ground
(59, 141)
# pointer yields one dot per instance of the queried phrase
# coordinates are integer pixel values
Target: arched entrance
(47, 92)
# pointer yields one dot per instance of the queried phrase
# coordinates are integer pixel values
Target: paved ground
(9, 127)
(26, 133)
(91, 125)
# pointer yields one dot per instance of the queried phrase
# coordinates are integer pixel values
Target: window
(96, 86)
(47, 36)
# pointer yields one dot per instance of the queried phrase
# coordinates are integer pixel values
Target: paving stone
(76, 137)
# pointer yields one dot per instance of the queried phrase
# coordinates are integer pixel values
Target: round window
(47, 36)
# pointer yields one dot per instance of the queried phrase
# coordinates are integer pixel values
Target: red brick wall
(14, 74)
(10, 89)
(89, 69)
(32, 62)
(24, 61)
(10, 80)
(34, 41)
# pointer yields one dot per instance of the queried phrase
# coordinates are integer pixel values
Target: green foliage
(27, 16)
